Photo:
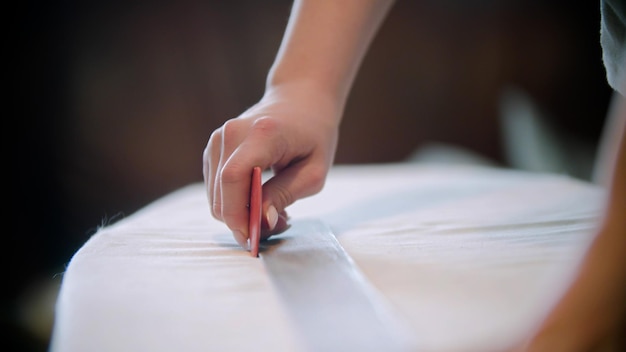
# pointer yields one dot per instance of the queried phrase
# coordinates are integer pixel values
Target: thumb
(299, 180)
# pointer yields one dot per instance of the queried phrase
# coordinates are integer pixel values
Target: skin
(293, 130)
(591, 316)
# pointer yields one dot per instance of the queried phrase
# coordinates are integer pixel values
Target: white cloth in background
(470, 258)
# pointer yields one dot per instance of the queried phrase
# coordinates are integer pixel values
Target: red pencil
(254, 224)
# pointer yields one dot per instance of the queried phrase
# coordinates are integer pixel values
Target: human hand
(293, 131)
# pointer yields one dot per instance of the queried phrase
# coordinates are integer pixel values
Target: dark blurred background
(114, 101)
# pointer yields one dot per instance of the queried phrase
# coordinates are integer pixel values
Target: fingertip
(283, 223)
(271, 217)
(241, 239)
(281, 226)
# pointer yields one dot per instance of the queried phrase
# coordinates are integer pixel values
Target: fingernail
(281, 224)
(241, 239)
(271, 217)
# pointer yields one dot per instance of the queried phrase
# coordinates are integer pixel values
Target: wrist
(323, 85)
(309, 94)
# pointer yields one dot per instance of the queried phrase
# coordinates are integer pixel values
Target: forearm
(324, 44)
(616, 208)
(606, 262)
(590, 313)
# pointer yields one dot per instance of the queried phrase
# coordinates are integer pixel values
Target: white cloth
(470, 258)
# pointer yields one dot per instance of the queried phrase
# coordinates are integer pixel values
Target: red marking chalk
(254, 222)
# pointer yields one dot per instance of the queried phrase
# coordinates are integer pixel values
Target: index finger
(262, 147)
(254, 222)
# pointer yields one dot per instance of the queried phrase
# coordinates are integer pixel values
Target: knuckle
(271, 129)
(266, 125)
(231, 173)
(215, 140)
(230, 130)
(283, 197)
(317, 178)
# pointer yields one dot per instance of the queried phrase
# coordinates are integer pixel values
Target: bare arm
(293, 129)
(591, 315)
(325, 42)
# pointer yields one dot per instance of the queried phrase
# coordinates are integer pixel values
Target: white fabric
(469, 257)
